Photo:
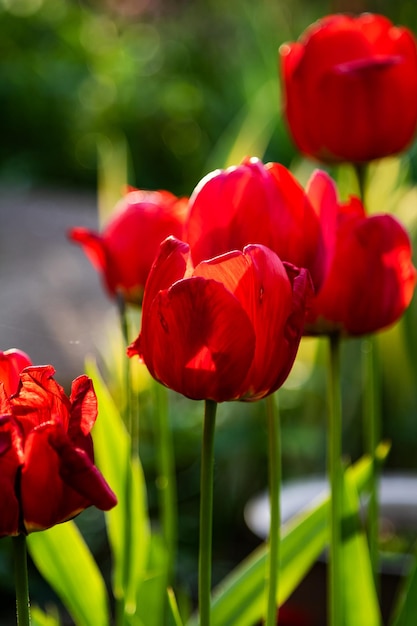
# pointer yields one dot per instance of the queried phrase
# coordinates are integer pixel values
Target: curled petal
(78, 471)
(83, 407)
(40, 398)
(57, 480)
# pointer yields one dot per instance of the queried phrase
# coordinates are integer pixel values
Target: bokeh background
(157, 93)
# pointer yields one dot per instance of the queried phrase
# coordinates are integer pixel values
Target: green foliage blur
(177, 80)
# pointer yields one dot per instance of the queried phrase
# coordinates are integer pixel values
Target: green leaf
(128, 522)
(174, 617)
(152, 602)
(64, 560)
(240, 599)
(405, 611)
(39, 618)
(360, 601)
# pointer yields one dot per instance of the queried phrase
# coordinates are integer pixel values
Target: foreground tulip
(371, 280)
(263, 204)
(228, 329)
(12, 362)
(350, 88)
(47, 471)
(124, 252)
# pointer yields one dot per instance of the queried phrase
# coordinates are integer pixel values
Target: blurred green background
(158, 93)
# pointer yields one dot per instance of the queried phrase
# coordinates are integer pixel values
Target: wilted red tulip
(263, 204)
(350, 88)
(124, 252)
(371, 279)
(12, 362)
(47, 471)
(227, 329)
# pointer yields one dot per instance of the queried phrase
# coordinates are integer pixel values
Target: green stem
(274, 474)
(335, 610)
(166, 478)
(21, 580)
(371, 438)
(361, 171)
(123, 600)
(127, 372)
(206, 513)
(371, 423)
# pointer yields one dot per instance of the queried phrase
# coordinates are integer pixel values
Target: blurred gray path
(52, 304)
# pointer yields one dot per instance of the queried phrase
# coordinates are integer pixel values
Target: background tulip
(227, 329)
(264, 204)
(350, 88)
(371, 279)
(123, 253)
(47, 471)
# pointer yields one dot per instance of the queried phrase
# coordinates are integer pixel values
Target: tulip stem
(371, 437)
(21, 580)
(127, 372)
(274, 476)
(166, 478)
(372, 427)
(206, 513)
(335, 610)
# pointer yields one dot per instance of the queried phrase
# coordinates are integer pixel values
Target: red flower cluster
(227, 329)
(223, 315)
(123, 253)
(47, 471)
(350, 88)
(361, 266)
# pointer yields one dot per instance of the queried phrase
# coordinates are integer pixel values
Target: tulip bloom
(371, 279)
(124, 252)
(227, 329)
(263, 204)
(350, 88)
(12, 362)
(47, 471)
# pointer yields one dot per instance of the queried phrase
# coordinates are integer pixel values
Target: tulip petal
(58, 481)
(260, 281)
(198, 340)
(172, 263)
(9, 471)
(39, 399)
(12, 362)
(78, 471)
(83, 407)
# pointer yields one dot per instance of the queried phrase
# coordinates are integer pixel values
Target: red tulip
(263, 204)
(12, 362)
(124, 252)
(350, 88)
(371, 279)
(227, 329)
(47, 471)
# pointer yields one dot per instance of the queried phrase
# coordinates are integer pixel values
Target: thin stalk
(127, 373)
(335, 609)
(166, 478)
(371, 423)
(21, 580)
(274, 480)
(361, 172)
(372, 431)
(121, 602)
(206, 513)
